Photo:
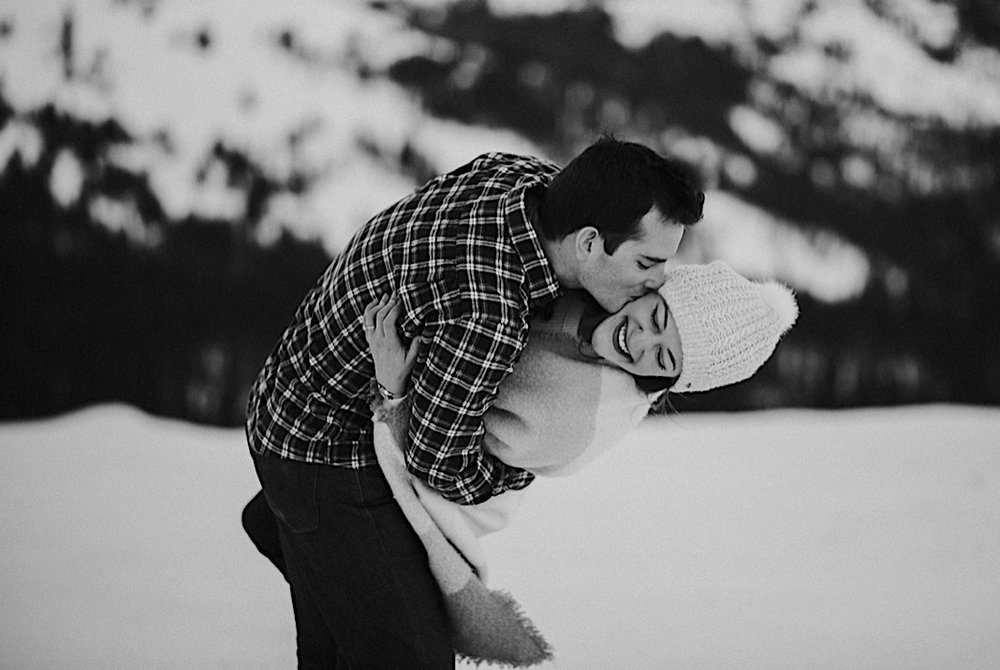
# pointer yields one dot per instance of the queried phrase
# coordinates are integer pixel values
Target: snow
(842, 48)
(890, 66)
(20, 139)
(637, 22)
(760, 245)
(782, 539)
(67, 179)
(757, 131)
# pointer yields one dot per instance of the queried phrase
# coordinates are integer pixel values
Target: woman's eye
(643, 265)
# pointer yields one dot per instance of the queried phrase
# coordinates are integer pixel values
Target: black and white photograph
(456, 334)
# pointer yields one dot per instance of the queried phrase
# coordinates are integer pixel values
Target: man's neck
(557, 253)
(561, 258)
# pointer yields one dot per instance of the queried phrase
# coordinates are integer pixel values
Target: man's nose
(655, 282)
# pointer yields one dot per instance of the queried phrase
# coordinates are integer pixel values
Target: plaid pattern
(469, 269)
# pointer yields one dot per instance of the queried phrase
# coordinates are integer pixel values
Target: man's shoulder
(515, 164)
(501, 169)
(477, 186)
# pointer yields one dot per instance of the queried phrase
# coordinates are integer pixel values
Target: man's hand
(393, 362)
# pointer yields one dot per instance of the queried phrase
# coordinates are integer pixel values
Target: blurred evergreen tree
(178, 328)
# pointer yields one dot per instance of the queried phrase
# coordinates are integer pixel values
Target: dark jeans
(362, 591)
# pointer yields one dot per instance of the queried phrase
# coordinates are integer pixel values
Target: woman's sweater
(554, 413)
(558, 410)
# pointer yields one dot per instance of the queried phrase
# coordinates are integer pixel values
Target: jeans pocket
(395, 534)
(290, 489)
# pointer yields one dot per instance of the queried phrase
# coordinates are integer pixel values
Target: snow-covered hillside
(280, 84)
(792, 539)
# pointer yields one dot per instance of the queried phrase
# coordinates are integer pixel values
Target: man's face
(636, 266)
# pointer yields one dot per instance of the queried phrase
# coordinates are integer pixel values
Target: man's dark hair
(611, 186)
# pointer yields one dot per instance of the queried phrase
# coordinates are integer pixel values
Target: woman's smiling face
(641, 338)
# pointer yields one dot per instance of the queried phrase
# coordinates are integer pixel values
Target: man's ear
(586, 241)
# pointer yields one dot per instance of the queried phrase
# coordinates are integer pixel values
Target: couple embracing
(505, 320)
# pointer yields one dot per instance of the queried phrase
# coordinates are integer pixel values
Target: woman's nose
(642, 337)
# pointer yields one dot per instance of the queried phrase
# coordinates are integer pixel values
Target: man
(469, 255)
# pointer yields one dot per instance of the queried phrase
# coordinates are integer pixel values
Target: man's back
(467, 266)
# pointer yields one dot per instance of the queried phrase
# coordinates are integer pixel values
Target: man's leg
(359, 576)
(262, 527)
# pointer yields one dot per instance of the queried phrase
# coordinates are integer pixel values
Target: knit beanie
(728, 325)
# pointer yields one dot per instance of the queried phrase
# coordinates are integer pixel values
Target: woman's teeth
(622, 342)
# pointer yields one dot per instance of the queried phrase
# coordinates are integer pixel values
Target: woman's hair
(611, 186)
(661, 405)
(650, 385)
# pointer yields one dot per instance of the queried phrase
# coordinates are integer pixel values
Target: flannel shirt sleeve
(466, 361)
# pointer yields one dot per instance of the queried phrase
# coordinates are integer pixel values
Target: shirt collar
(540, 279)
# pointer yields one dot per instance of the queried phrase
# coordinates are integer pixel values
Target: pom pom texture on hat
(728, 325)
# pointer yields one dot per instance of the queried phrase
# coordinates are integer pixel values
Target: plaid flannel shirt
(469, 269)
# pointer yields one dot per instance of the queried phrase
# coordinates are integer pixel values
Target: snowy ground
(792, 539)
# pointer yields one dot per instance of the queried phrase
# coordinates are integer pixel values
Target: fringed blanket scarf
(554, 413)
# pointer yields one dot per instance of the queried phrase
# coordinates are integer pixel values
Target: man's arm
(465, 363)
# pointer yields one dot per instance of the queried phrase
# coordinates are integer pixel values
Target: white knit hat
(728, 325)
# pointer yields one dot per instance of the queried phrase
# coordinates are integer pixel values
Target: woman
(583, 382)
(586, 374)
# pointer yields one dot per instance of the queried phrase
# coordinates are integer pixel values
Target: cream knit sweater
(557, 410)
(554, 413)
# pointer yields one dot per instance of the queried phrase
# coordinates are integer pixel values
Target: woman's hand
(393, 362)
